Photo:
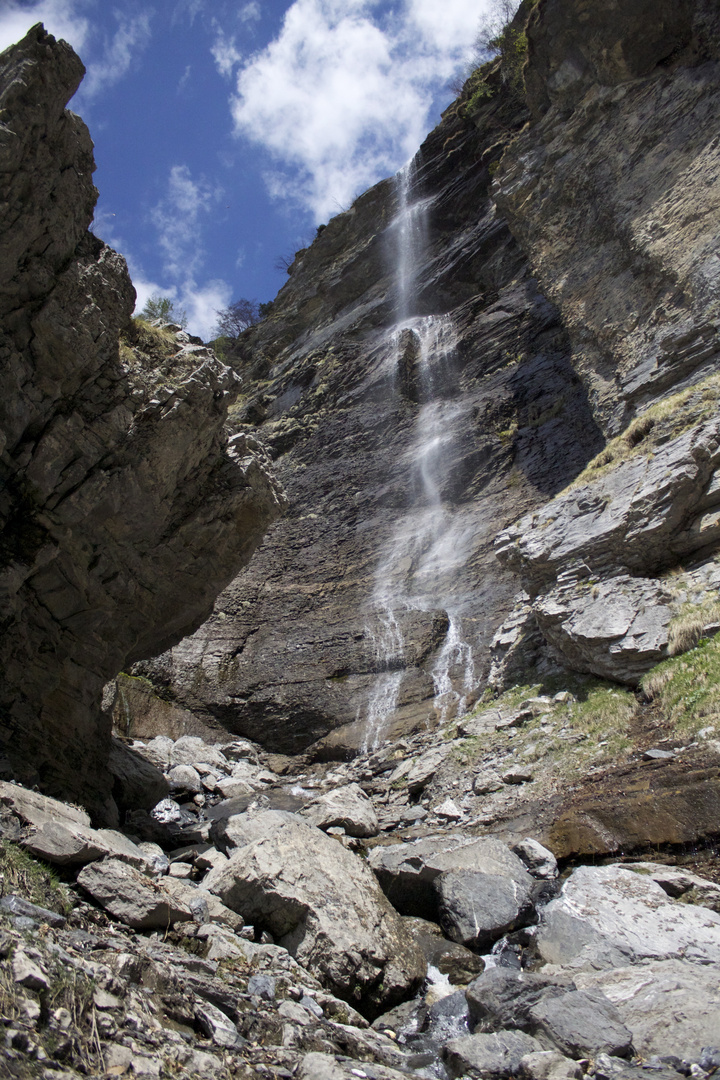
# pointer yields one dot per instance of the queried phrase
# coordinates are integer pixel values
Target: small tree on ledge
(163, 309)
(237, 317)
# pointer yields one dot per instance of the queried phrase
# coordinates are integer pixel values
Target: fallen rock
(540, 862)
(137, 783)
(327, 1067)
(35, 809)
(476, 909)
(322, 903)
(581, 1023)
(76, 845)
(27, 973)
(346, 807)
(130, 897)
(607, 916)
(459, 964)
(496, 1055)
(549, 1065)
(217, 1026)
(670, 1006)
(184, 778)
(407, 872)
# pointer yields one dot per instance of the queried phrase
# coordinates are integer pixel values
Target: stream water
(430, 542)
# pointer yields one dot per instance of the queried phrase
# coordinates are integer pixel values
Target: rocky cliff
(124, 508)
(453, 352)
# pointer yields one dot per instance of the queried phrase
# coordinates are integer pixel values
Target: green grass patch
(666, 420)
(25, 876)
(687, 687)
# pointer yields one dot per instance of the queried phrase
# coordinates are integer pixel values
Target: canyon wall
(561, 234)
(124, 508)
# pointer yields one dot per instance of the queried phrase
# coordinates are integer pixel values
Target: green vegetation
(31, 879)
(666, 420)
(164, 309)
(687, 687)
(689, 625)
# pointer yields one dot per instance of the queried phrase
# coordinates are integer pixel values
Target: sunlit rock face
(414, 388)
(124, 509)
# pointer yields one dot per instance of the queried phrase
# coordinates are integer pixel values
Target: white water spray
(430, 542)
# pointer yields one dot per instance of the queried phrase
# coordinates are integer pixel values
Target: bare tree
(237, 317)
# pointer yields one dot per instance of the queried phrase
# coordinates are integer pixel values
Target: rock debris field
(287, 924)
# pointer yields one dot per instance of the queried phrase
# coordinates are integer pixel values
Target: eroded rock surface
(125, 510)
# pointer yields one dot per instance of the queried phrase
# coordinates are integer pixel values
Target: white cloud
(343, 98)
(62, 19)
(250, 13)
(132, 36)
(178, 219)
(225, 53)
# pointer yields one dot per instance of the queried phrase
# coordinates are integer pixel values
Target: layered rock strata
(125, 510)
(296, 648)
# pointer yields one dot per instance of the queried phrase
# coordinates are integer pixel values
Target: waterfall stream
(429, 543)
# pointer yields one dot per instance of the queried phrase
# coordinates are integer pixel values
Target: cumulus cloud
(343, 94)
(62, 19)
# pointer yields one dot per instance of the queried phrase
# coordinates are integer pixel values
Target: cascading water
(430, 542)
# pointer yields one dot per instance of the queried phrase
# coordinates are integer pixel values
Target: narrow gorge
(360, 689)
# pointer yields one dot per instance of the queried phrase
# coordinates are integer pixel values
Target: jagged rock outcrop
(124, 508)
(612, 193)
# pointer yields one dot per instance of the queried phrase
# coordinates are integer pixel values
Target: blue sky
(225, 131)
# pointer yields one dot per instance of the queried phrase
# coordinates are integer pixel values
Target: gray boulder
(607, 916)
(348, 808)
(76, 845)
(137, 783)
(476, 909)
(549, 1065)
(497, 1055)
(407, 872)
(646, 994)
(503, 997)
(581, 1023)
(35, 809)
(540, 862)
(323, 904)
(130, 897)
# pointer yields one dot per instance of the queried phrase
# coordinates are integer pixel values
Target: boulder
(608, 916)
(549, 1065)
(540, 862)
(130, 897)
(492, 1056)
(476, 909)
(459, 964)
(408, 872)
(137, 783)
(316, 1066)
(35, 809)
(184, 778)
(646, 995)
(581, 1023)
(190, 749)
(346, 807)
(77, 845)
(323, 904)
(503, 997)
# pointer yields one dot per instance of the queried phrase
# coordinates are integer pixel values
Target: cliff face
(569, 265)
(404, 442)
(124, 508)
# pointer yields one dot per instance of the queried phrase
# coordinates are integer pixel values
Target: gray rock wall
(124, 508)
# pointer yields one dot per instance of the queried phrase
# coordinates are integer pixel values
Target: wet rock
(608, 916)
(321, 903)
(459, 964)
(346, 807)
(496, 1055)
(476, 909)
(130, 897)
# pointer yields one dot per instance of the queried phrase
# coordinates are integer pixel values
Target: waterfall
(430, 542)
